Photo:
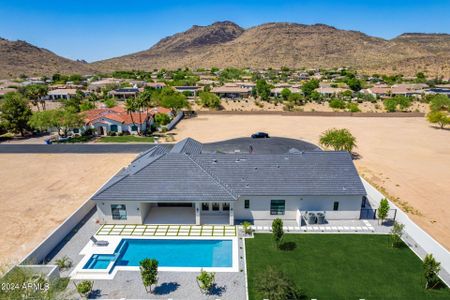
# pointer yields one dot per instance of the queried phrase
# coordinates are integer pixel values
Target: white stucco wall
(133, 212)
(349, 207)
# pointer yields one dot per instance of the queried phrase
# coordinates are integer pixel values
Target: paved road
(273, 145)
(74, 148)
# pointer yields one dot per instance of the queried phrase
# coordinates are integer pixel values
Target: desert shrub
(337, 103)
(353, 107)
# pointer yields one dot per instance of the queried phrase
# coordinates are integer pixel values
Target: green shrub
(337, 103)
(84, 288)
(206, 280)
(353, 107)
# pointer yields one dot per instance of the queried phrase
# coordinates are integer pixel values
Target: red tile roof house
(108, 120)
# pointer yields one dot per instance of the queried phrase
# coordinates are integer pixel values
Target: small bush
(206, 280)
(337, 103)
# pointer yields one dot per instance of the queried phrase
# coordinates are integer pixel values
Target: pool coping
(110, 272)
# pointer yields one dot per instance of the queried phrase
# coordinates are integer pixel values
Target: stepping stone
(119, 226)
(308, 228)
(333, 227)
(315, 228)
(346, 228)
(130, 226)
(195, 233)
(340, 228)
(172, 233)
(266, 228)
(297, 228)
(183, 233)
(358, 228)
(290, 228)
(108, 226)
(149, 233)
(137, 233)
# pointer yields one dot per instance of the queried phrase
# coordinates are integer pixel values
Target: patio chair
(99, 243)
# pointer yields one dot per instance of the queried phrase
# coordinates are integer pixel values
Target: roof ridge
(215, 178)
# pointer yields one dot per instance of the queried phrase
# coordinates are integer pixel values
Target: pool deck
(128, 284)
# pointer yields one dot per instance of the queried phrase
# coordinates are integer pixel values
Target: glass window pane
(215, 206)
(119, 212)
(247, 204)
(277, 207)
(205, 206)
(226, 206)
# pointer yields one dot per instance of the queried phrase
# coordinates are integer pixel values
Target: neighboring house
(330, 91)
(437, 90)
(124, 93)
(96, 86)
(105, 121)
(165, 185)
(191, 89)
(276, 92)
(61, 94)
(231, 91)
(156, 85)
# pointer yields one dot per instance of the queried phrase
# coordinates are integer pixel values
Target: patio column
(197, 213)
(231, 213)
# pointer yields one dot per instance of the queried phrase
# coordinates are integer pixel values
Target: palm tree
(131, 105)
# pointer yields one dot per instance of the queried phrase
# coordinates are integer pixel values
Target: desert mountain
(225, 44)
(19, 57)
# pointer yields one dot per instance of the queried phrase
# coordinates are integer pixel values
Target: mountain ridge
(273, 44)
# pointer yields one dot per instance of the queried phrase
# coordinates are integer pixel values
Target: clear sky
(99, 29)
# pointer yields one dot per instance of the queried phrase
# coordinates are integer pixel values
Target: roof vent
(247, 185)
(256, 168)
(215, 161)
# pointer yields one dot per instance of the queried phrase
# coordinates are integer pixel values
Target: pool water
(99, 261)
(168, 253)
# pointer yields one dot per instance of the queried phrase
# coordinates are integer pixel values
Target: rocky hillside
(224, 44)
(19, 57)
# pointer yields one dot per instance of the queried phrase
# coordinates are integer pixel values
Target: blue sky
(94, 30)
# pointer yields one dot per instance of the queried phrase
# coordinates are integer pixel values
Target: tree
(285, 93)
(15, 113)
(337, 103)
(438, 117)
(295, 98)
(210, 100)
(84, 288)
(110, 102)
(354, 84)
(35, 92)
(273, 284)
(390, 104)
(309, 86)
(162, 119)
(440, 102)
(206, 281)
(338, 139)
(430, 270)
(61, 119)
(397, 233)
(149, 273)
(175, 101)
(383, 210)
(421, 78)
(262, 89)
(277, 231)
(132, 106)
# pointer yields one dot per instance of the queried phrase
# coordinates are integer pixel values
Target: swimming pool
(169, 253)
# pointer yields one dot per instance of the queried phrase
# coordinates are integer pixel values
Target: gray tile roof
(187, 174)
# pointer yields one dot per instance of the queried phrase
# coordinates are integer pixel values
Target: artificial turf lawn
(126, 139)
(341, 266)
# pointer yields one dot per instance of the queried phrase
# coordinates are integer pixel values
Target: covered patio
(194, 213)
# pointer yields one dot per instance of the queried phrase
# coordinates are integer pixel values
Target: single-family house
(116, 120)
(124, 93)
(185, 184)
(61, 94)
(232, 91)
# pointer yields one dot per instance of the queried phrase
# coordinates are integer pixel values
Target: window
(225, 206)
(134, 128)
(277, 207)
(336, 205)
(113, 128)
(364, 202)
(246, 204)
(215, 206)
(119, 212)
(205, 206)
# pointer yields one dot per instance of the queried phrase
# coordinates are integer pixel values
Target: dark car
(260, 135)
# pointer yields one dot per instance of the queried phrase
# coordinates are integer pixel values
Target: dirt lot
(40, 190)
(406, 156)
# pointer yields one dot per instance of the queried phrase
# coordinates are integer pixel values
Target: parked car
(260, 135)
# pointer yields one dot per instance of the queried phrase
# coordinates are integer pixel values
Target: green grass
(126, 139)
(327, 266)
(77, 139)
